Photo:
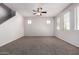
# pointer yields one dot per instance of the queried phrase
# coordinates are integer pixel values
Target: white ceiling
(26, 8)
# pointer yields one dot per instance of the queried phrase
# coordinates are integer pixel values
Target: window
(48, 21)
(76, 18)
(29, 21)
(58, 23)
(67, 21)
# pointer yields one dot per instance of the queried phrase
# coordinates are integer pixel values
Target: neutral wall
(39, 26)
(11, 30)
(71, 36)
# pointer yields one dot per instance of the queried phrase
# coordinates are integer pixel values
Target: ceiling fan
(39, 11)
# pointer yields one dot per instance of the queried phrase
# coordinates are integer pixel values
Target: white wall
(11, 29)
(71, 36)
(39, 26)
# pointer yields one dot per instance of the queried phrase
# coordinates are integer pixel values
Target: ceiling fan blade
(34, 10)
(38, 9)
(43, 12)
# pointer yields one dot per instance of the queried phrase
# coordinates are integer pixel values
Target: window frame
(58, 22)
(76, 18)
(66, 22)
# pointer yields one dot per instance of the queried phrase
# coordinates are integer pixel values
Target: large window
(67, 21)
(76, 18)
(58, 23)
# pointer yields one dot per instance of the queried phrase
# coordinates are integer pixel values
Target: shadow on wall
(5, 13)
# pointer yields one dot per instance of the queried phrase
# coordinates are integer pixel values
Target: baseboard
(4, 43)
(76, 45)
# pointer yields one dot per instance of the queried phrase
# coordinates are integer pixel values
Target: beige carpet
(39, 46)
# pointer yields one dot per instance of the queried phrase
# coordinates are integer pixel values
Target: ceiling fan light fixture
(39, 11)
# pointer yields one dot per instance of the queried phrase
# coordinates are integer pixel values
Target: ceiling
(26, 8)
